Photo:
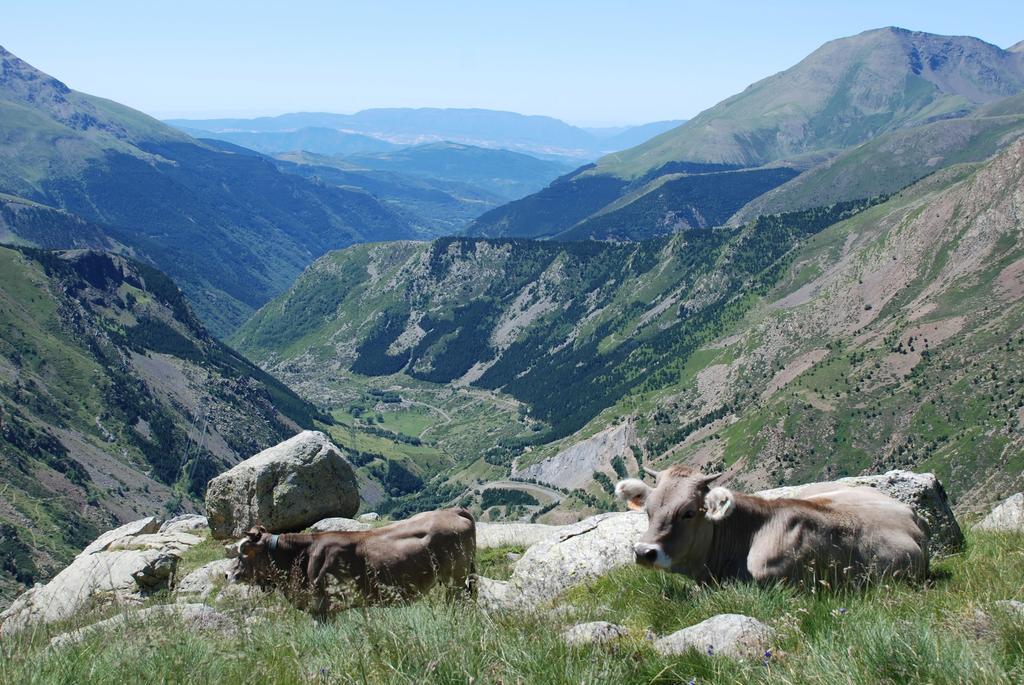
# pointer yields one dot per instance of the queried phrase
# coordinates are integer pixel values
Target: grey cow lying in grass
(397, 562)
(831, 533)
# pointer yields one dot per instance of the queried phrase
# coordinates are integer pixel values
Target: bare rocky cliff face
(574, 466)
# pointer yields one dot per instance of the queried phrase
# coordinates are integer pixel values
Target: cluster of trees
(506, 497)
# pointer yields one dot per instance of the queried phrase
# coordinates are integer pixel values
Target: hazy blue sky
(587, 62)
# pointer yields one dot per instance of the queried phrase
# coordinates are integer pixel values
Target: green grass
(206, 551)
(887, 634)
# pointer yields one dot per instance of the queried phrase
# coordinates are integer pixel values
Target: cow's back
(837, 532)
(887, 536)
(434, 546)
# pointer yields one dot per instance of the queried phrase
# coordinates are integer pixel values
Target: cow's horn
(651, 472)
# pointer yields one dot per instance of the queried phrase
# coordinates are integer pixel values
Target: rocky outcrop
(186, 523)
(575, 554)
(522, 534)
(574, 466)
(202, 582)
(731, 635)
(338, 524)
(286, 488)
(1008, 515)
(122, 566)
(197, 617)
(922, 492)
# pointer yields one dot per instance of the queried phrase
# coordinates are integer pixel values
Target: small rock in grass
(197, 617)
(593, 633)
(731, 635)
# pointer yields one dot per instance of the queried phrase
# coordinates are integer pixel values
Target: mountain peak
(1016, 47)
(847, 91)
(20, 80)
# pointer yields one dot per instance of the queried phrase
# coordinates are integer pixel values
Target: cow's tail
(471, 580)
(471, 576)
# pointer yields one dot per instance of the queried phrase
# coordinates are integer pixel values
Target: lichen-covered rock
(369, 517)
(150, 524)
(186, 523)
(496, 595)
(197, 617)
(1008, 515)
(338, 524)
(115, 569)
(201, 583)
(592, 633)
(731, 635)
(286, 488)
(922, 492)
(575, 554)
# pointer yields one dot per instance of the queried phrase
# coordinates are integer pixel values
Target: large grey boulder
(573, 555)
(496, 595)
(197, 617)
(731, 635)
(286, 488)
(1007, 516)
(123, 566)
(922, 492)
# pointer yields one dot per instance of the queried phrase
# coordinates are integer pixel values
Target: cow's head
(680, 524)
(253, 562)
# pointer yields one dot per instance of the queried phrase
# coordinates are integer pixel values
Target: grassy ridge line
(886, 634)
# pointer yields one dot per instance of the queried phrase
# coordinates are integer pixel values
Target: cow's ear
(633, 492)
(255, 533)
(719, 504)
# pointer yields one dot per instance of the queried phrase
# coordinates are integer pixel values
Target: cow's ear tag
(635, 504)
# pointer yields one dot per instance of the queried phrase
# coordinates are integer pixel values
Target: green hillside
(896, 159)
(866, 115)
(114, 403)
(844, 93)
(231, 228)
(796, 347)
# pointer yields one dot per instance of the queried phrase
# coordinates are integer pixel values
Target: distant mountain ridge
(231, 228)
(845, 94)
(842, 94)
(531, 134)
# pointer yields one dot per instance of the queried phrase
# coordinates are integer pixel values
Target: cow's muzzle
(648, 554)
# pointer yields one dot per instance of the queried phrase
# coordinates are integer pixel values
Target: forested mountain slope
(231, 228)
(531, 318)
(115, 403)
(801, 346)
(894, 339)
